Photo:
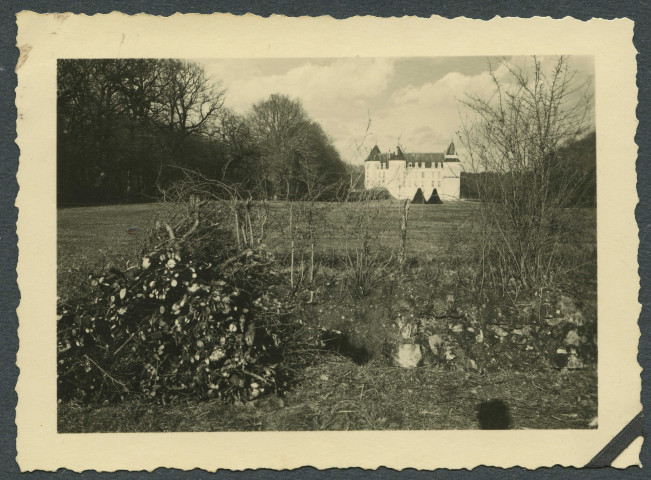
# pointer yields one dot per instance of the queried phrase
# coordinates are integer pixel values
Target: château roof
(378, 156)
(398, 155)
(451, 150)
(375, 154)
(425, 157)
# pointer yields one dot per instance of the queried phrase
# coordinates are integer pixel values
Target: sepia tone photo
(326, 244)
(349, 254)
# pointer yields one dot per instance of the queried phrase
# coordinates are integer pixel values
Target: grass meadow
(333, 391)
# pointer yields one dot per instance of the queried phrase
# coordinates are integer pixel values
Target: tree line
(129, 128)
(576, 162)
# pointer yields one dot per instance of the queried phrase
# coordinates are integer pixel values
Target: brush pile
(187, 320)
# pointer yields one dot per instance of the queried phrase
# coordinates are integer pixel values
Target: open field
(94, 238)
(331, 392)
(95, 233)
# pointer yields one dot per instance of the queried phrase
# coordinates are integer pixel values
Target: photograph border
(10, 294)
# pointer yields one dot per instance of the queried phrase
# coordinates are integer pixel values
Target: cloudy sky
(410, 101)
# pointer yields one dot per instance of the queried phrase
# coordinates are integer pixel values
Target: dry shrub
(517, 142)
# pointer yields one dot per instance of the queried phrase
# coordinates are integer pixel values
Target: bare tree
(513, 143)
(235, 135)
(279, 125)
(189, 101)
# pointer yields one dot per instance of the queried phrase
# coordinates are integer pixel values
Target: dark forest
(129, 128)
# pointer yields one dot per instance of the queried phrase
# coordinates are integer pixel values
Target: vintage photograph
(268, 243)
(312, 244)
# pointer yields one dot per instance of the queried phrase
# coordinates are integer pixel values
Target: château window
(428, 164)
(422, 174)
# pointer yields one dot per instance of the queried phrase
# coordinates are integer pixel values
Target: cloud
(335, 93)
(318, 86)
(426, 117)
(343, 95)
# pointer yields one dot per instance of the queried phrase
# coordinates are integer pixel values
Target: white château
(437, 175)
